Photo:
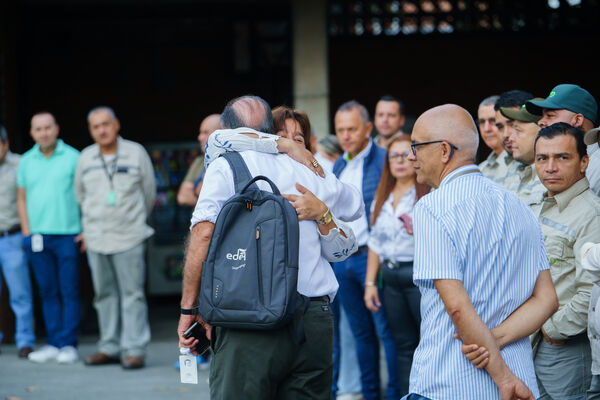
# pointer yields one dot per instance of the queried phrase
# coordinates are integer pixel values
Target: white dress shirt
(352, 174)
(315, 275)
(388, 237)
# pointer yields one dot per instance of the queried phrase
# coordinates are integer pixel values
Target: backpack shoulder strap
(241, 174)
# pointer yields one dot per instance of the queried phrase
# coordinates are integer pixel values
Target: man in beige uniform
(115, 187)
(525, 182)
(570, 216)
(186, 195)
(513, 99)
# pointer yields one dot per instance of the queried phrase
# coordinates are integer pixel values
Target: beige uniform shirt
(569, 219)
(195, 170)
(8, 191)
(115, 222)
(526, 184)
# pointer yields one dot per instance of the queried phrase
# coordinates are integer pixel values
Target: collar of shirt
(464, 169)
(527, 172)
(7, 158)
(60, 148)
(563, 199)
(117, 152)
(404, 205)
(492, 160)
(359, 156)
(506, 157)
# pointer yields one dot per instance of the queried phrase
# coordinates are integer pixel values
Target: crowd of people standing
(477, 281)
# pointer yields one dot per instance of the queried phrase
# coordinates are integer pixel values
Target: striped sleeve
(436, 255)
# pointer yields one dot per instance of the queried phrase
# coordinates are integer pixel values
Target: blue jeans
(13, 265)
(367, 327)
(56, 271)
(346, 373)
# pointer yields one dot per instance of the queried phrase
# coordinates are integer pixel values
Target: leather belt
(320, 298)
(397, 264)
(11, 231)
(360, 250)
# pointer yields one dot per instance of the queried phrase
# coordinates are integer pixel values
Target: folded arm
(472, 329)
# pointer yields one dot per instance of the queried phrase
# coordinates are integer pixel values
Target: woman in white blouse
(391, 246)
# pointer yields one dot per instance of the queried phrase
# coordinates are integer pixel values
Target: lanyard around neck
(110, 174)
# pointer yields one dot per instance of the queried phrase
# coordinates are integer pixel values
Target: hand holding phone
(197, 331)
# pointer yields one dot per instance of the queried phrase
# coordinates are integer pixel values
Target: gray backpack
(250, 276)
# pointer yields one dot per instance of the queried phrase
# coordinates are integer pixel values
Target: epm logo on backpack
(239, 256)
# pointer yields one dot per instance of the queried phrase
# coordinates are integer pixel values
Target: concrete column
(310, 65)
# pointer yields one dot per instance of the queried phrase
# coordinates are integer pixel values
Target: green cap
(569, 97)
(521, 114)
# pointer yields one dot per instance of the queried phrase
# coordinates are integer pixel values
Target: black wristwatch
(189, 311)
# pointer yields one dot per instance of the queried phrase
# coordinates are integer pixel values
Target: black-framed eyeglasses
(413, 146)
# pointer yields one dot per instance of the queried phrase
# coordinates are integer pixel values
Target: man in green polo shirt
(50, 223)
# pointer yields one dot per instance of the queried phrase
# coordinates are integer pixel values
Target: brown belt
(11, 231)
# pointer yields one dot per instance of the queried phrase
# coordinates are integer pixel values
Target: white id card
(188, 369)
(37, 243)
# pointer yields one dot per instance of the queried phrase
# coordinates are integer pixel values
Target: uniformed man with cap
(525, 182)
(577, 107)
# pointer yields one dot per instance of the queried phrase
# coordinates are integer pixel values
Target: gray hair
(489, 101)
(3, 134)
(94, 110)
(248, 111)
(355, 105)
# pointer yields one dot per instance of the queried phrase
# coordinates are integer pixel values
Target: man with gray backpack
(258, 275)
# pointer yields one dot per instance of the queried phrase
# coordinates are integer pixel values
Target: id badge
(37, 243)
(188, 369)
(111, 198)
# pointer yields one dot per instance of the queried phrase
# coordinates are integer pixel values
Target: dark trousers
(56, 271)
(368, 328)
(264, 365)
(402, 307)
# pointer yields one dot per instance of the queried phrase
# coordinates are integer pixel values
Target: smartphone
(197, 331)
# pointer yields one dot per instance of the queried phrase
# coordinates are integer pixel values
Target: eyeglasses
(413, 146)
(398, 156)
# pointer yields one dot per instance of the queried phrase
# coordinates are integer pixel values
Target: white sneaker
(45, 354)
(67, 355)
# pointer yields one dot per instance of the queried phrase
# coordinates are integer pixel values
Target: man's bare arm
(186, 195)
(531, 315)
(472, 329)
(192, 277)
(22, 211)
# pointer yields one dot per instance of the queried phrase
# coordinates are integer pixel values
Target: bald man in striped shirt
(480, 264)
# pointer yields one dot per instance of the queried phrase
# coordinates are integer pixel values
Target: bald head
(207, 127)
(452, 123)
(445, 138)
(248, 111)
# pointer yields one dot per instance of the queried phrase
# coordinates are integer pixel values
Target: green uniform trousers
(265, 365)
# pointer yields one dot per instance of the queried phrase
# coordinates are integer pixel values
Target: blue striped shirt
(470, 229)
